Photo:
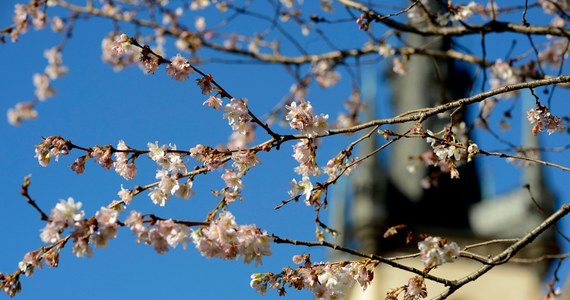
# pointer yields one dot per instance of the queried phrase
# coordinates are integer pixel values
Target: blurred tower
(382, 195)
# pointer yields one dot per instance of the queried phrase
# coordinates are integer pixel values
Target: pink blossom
(136, 225)
(542, 119)
(173, 233)
(175, 163)
(214, 102)
(55, 68)
(43, 87)
(22, 111)
(111, 47)
(324, 73)
(303, 188)
(125, 195)
(463, 12)
(185, 190)
(30, 261)
(304, 154)
(78, 165)
(155, 152)
(179, 68)
(385, 50)
(416, 288)
(158, 196)
(398, 66)
(123, 167)
(81, 248)
(435, 251)
(51, 146)
(224, 238)
(106, 217)
(237, 114)
(67, 212)
(50, 233)
(241, 139)
(232, 179)
(168, 184)
(244, 160)
(57, 24)
(324, 280)
(199, 4)
(121, 44)
(301, 117)
(503, 74)
(102, 156)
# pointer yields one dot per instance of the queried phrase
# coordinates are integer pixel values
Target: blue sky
(95, 105)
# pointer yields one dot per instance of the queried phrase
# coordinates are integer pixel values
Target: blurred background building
(383, 193)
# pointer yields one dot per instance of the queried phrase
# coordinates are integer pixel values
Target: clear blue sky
(95, 105)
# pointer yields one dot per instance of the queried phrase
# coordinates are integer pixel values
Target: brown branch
(490, 27)
(32, 202)
(422, 114)
(525, 158)
(508, 253)
(277, 58)
(390, 262)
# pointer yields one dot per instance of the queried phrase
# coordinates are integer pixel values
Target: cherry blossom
(237, 114)
(224, 238)
(123, 167)
(542, 119)
(179, 68)
(324, 280)
(50, 147)
(435, 251)
(22, 111)
(304, 154)
(214, 102)
(301, 117)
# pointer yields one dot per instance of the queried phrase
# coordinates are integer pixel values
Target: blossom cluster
(123, 167)
(103, 155)
(160, 235)
(24, 14)
(21, 112)
(304, 187)
(43, 88)
(172, 167)
(502, 73)
(340, 164)
(242, 162)
(556, 8)
(354, 106)
(237, 114)
(542, 119)
(415, 289)
(304, 154)
(448, 151)
(51, 146)
(324, 73)
(118, 52)
(97, 230)
(211, 157)
(454, 14)
(179, 68)
(435, 251)
(224, 238)
(302, 117)
(325, 280)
